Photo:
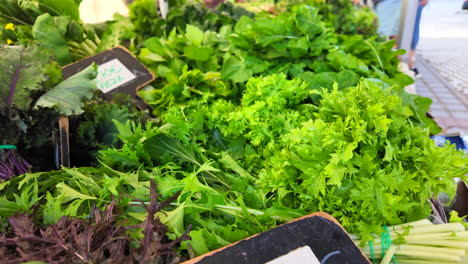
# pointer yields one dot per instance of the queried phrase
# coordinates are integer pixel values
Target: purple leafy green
(102, 238)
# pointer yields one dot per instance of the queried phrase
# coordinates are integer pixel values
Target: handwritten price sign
(113, 74)
(118, 72)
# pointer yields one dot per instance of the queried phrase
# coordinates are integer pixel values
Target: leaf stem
(15, 79)
(375, 53)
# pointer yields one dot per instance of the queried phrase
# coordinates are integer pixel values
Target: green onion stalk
(420, 242)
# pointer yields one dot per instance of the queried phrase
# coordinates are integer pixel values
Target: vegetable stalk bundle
(11, 163)
(421, 242)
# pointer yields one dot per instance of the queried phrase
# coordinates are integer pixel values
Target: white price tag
(297, 256)
(113, 74)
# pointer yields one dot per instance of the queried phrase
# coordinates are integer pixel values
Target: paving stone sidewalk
(444, 41)
(451, 63)
(450, 107)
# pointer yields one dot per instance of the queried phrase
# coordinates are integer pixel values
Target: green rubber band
(387, 242)
(7, 147)
(383, 244)
(371, 247)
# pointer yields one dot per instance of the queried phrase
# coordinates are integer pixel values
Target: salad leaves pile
(288, 156)
(258, 119)
(91, 240)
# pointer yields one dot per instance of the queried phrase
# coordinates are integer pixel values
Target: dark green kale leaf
(68, 96)
(22, 72)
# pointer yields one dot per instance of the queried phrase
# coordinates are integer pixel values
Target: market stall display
(254, 119)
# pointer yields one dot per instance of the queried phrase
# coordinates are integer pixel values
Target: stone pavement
(449, 106)
(444, 41)
(443, 61)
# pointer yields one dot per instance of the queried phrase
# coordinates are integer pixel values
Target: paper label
(300, 255)
(113, 74)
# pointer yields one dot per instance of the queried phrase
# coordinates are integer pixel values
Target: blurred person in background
(415, 40)
(388, 12)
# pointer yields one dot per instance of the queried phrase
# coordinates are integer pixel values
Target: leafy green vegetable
(160, 145)
(117, 31)
(95, 128)
(296, 43)
(103, 237)
(61, 8)
(54, 24)
(19, 12)
(187, 85)
(26, 11)
(363, 152)
(69, 192)
(22, 73)
(67, 97)
(143, 14)
(49, 31)
(257, 122)
(344, 154)
(131, 155)
(344, 16)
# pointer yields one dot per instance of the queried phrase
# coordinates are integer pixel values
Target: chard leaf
(67, 96)
(21, 72)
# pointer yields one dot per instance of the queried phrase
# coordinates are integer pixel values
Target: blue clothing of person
(388, 12)
(417, 21)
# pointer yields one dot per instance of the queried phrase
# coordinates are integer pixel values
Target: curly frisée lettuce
(363, 160)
